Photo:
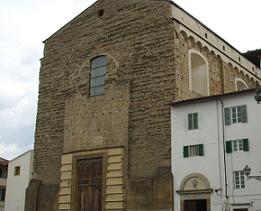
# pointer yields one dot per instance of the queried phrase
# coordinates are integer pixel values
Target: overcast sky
(24, 24)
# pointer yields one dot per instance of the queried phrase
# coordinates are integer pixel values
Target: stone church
(107, 79)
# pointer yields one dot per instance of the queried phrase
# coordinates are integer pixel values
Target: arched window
(240, 84)
(198, 75)
(97, 76)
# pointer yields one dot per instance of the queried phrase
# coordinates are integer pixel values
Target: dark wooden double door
(195, 205)
(89, 173)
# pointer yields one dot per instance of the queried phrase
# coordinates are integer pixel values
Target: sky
(24, 24)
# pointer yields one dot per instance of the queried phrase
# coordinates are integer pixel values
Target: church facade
(107, 80)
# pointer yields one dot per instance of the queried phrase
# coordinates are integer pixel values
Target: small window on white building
(193, 121)
(236, 114)
(193, 150)
(17, 170)
(198, 73)
(240, 84)
(2, 194)
(239, 180)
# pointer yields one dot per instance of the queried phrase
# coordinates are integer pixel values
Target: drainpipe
(224, 149)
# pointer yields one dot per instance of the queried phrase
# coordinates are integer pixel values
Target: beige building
(107, 79)
(3, 176)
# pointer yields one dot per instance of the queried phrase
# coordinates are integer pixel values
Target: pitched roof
(3, 162)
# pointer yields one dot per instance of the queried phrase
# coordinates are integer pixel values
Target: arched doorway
(195, 193)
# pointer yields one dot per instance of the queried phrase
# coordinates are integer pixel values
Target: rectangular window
(236, 114)
(2, 194)
(193, 150)
(17, 171)
(193, 121)
(239, 180)
(237, 145)
(98, 73)
(3, 172)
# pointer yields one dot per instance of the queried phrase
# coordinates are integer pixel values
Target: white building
(3, 176)
(213, 139)
(19, 175)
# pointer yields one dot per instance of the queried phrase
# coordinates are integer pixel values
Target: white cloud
(10, 151)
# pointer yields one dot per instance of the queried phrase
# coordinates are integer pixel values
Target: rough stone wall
(147, 70)
(138, 37)
(221, 74)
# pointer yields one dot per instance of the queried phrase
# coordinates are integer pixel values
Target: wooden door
(245, 209)
(195, 205)
(90, 184)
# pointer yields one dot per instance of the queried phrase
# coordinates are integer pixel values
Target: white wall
(236, 161)
(16, 185)
(211, 165)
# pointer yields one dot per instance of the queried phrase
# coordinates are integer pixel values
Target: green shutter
(201, 149)
(245, 145)
(244, 113)
(229, 146)
(227, 116)
(185, 151)
(190, 121)
(195, 121)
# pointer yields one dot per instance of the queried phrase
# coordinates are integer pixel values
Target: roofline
(222, 39)
(69, 22)
(3, 159)
(3, 162)
(171, 2)
(26, 152)
(212, 97)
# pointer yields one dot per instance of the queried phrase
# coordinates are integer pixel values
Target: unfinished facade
(107, 79)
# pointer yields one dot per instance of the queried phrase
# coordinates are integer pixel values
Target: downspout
(219, 146)
(224, 149)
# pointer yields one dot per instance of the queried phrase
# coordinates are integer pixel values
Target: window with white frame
(236, 114)
(193, 150)
(237, 145)
(239, 180)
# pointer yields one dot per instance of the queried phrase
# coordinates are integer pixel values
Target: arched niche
(198, 73)
(240, 84)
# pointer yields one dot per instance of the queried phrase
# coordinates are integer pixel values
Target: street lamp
(247, 171)
(258, 95)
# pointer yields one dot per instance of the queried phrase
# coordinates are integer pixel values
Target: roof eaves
(212, 97)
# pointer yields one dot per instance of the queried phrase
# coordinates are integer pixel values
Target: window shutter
(227, 116)
(185, 151)
(195, 121)
(201, 149)
(245, 145)
(244, 113)
(229, 146)
(190, 121)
